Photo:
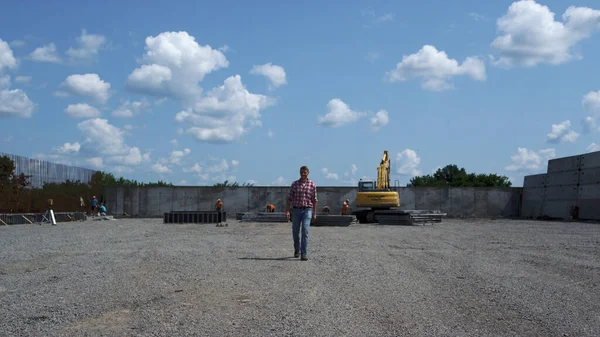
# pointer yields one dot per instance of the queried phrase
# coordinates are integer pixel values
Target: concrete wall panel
(562, 178)
(564, 164)
(534, 193)
(588, 209)
(590, 160)
(588, 192)
(428, 198)
(456, 203)
(155, 201)
(467, 201)
(532, 209)
(561, 193)
(480, 198)
(407, 198)
(589, 176)
(143, 202)
(535, 180)
(561, 209)
(502, 203)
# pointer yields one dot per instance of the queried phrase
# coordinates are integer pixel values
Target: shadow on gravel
(269, 258)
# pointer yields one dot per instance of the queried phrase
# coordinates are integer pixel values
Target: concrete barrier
(569, 190)
(455, 202)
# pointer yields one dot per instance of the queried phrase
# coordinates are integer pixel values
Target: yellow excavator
(377, 202)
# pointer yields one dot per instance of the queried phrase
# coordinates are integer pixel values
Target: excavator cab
(365, 186)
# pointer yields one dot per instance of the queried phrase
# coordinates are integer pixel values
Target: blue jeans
(301, 218)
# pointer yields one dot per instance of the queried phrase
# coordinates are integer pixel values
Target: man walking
(302, 198)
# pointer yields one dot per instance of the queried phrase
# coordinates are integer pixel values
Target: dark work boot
(304, 258)
(296, 254)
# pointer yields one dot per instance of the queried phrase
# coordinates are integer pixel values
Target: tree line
(452, 176)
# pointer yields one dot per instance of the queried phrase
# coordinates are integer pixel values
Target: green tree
(7, 170)
(453, 176)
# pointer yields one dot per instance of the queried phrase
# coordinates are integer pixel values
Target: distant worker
(219, 208)
(270, 208)
(345, 207)
(94, 204)
(325, 209)
(302, 199)
(102, 210)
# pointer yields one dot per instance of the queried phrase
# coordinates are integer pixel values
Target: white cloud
(270, 133)
(196, 168)
(95, 161)
(101, 139)
(159, 168)
(339, 114)
(588, 125)
(591, 103)
(23, 79)
(385, 18)
(173, 65)
(17, 43)
(593, 147)
(407, 163)
(329, 175)
(436, 69)
(380, 120)
(529, 160)
(531, 36)
(275, 74)
(173, 142)
(222, 166)
(88, 85)
(177, 155)
(15, 103)
(225, 113)
(7, 59)
(82, 110)
(279, 181)
(4, 82)
(561, 133)
(88, 46)
(68, 148)
(46, 53)
(477, 17)
(235, 163)
(129, 109)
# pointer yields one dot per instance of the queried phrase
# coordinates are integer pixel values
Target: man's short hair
(304, 167)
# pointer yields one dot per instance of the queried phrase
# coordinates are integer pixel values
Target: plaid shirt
(303, 194)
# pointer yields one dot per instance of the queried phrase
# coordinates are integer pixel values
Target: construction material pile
(262, 217)
(335, 220)
(194, 217)
(32, 218)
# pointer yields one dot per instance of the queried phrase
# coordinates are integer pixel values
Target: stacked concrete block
(588, 194)
(569, 190)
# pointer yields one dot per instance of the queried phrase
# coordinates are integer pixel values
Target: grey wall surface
(456, 202)
(571, 184)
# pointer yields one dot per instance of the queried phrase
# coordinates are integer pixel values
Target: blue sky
(196, 93)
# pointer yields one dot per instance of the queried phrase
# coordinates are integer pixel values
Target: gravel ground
(140, 277)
